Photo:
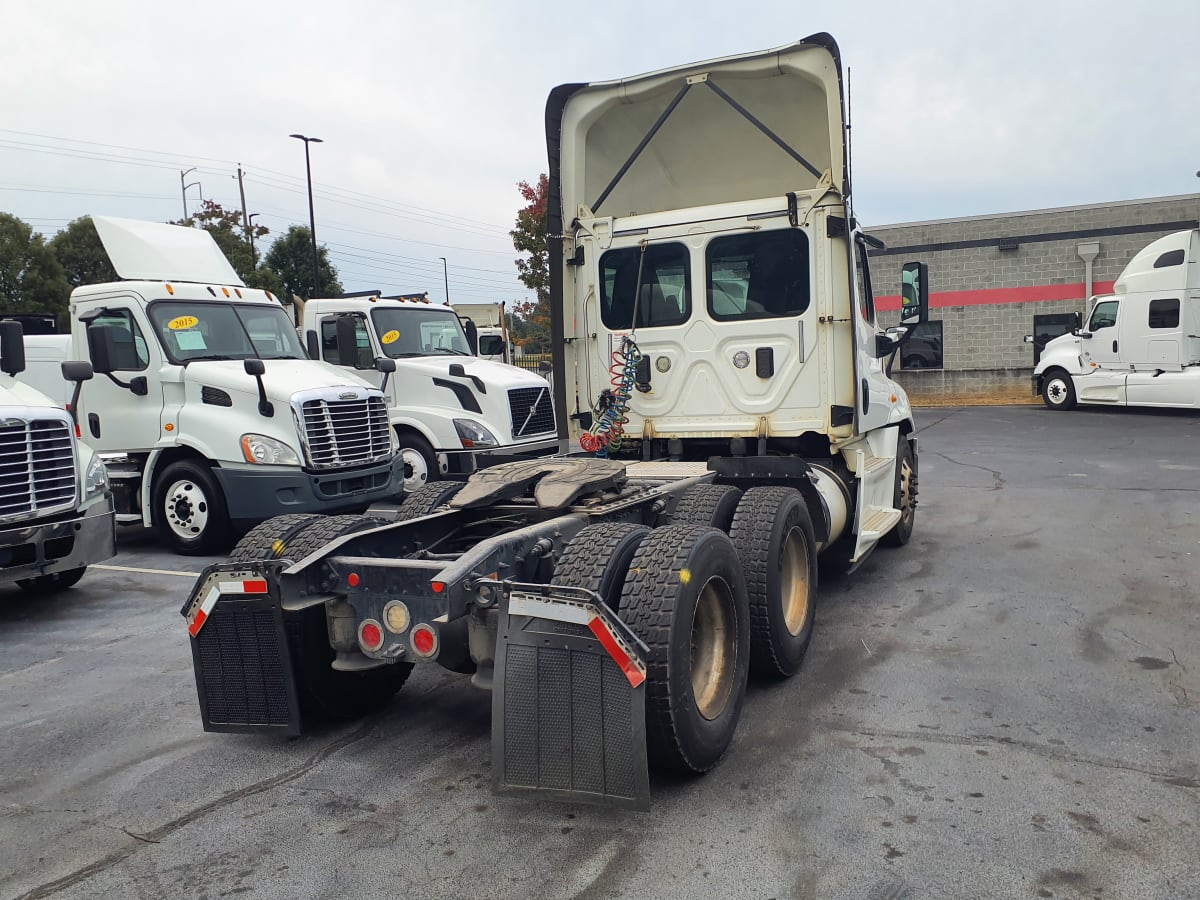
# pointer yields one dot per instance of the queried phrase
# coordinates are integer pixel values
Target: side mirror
(254, 367)
(1078, 320)
(12, 348)
(914, 293)
(102, 348)
(313, 344)
(885, 344)
(347, 341)
(77, 370)
(385, 364)
(472, 337)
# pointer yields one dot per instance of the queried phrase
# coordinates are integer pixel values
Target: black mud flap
(241, 653)
(569, 702)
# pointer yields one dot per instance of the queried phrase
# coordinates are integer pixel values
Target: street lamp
(445, 278)
(312, 221)
(250, 219)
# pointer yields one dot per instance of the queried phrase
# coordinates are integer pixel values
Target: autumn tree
(531, 328)
(81, 254)
(291, 258)
(31, 279)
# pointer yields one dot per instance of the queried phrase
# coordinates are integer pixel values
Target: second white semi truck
(209, 413)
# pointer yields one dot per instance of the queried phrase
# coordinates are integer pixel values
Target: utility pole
(312, 220)
(250, 231)
(445, 278)
(245, 221)
(183, 188)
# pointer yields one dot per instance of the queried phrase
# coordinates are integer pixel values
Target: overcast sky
(432, 112)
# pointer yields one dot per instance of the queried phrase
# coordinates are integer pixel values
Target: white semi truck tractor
(209, 413)
(56, 506)
(453, 412)
(719, 361)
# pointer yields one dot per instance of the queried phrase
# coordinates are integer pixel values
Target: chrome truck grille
(343, 428)
(532, 411)
(37, 464)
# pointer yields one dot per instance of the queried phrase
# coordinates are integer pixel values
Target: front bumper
(254, 493)
(71, 541)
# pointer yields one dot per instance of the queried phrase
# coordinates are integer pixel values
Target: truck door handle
(1114, 346)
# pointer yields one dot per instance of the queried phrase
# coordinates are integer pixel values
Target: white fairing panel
(151, 251)
(708, 150)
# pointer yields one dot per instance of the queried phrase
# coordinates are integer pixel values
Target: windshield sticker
(190, 340)
(183, 322)
(391, 337)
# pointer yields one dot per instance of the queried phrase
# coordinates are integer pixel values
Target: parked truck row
(719, 360)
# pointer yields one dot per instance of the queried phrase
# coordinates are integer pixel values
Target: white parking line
(147, 571)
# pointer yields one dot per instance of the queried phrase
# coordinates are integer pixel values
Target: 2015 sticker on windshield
(391, 337)
(179, 323)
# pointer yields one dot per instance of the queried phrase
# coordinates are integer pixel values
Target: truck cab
(452, 411)
(56, 505)
(1140, 345)
(209, 412)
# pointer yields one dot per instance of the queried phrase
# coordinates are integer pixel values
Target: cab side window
(866, 300)
(130, 353)
(1104, 315)
(1164, 313)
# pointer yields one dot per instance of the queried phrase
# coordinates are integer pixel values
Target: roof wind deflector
(782, 144)
(640, 147)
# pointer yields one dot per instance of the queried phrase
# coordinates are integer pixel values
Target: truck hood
(14, 393)
(732, 129)
(502, 375)
(282, 378)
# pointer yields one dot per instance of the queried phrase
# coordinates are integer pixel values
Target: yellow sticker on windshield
(181, 322)
(391, 337)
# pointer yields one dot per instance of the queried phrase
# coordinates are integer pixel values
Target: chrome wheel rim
(186, 508)
(906, 500)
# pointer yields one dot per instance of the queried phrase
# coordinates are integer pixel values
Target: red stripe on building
(1041, 293)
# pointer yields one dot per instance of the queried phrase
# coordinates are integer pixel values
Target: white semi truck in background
(56, 507)
(1141, 344)
(452, 412)
(205, 405)
(491, 323)
(716, 340)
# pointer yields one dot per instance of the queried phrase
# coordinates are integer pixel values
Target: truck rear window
(666, 295)
(758, 276)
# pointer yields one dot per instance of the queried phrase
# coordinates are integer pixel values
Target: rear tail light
(370, 635)
(424, 640)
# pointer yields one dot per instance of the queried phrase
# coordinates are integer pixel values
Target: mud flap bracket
(569, 702)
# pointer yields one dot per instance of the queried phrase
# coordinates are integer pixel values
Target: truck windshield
(419, 332)
(193, 329)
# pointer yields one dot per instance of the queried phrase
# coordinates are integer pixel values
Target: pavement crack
(997, 478)
(937, 422)
(1042, 750)
(156, 835)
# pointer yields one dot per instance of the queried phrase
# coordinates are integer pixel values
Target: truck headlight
(263, 450)
(95, 479)
(473, 435)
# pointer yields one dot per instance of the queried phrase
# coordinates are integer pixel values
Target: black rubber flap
(567, 722)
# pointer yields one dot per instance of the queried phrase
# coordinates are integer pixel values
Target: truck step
(878, 521)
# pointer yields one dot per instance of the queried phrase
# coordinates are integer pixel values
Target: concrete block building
(995, 279)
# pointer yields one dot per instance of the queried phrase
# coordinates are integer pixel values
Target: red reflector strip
(635, 675)
(198, 623)
(206, 605)
(255, 586)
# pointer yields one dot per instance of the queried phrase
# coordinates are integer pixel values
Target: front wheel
(52, 583)
(420, 462)
(1058, 390)
(189, 509)
(904, 497)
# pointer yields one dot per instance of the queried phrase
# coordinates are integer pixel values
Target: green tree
(532, 320)
(31, 279)
(81, 255)
(290, 257)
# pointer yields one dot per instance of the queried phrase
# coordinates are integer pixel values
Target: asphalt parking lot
(1008, 707)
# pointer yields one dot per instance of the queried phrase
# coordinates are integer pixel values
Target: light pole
(312, 221)
(250, 228)
(446, 278)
